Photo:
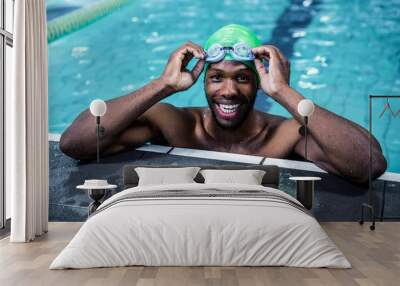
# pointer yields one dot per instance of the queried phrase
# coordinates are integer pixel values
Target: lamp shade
(98, 107)
(305, 107)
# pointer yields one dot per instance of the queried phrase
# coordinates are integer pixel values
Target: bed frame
(270, 179)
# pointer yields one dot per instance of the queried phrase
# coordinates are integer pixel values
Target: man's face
(231, 89)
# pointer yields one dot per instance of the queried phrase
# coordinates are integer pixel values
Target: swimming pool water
(340, 52)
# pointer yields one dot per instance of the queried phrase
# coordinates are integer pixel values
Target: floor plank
(375, 257)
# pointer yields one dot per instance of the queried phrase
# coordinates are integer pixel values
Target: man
(234, 72)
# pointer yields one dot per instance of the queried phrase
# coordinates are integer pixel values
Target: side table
(305, 190)
(96, 193)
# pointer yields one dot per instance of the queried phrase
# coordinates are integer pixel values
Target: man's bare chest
(268, 143)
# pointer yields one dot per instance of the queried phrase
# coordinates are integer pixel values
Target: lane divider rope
(64, 25)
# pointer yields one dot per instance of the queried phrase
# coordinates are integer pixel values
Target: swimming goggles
(239, 52)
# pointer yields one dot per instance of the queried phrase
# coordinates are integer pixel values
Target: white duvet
(206, 230)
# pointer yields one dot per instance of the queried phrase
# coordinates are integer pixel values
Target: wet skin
(230, 123)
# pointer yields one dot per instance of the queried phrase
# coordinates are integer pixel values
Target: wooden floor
(375, 257)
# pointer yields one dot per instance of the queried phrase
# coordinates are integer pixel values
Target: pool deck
(335, 198)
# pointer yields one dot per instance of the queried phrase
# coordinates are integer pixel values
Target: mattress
(201, 225)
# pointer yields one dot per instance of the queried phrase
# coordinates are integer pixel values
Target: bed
(201, 224)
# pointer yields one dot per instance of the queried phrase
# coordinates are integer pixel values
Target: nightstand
(305, 190)
(96, 191)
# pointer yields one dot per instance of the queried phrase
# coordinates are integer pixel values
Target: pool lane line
(73, 21)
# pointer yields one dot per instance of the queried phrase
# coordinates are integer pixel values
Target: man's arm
(129, 119)
(336, 144)
(79, 140)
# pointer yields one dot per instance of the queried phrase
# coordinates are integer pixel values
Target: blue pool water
(340, 52)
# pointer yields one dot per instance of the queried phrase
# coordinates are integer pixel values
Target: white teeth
(228, 108)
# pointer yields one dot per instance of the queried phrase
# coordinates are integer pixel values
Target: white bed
(201, 224)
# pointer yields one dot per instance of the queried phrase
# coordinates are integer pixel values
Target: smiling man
(234, 71)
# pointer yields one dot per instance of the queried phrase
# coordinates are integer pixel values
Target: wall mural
(189, 78)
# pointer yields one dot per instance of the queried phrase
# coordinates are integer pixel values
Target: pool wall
(335, 198)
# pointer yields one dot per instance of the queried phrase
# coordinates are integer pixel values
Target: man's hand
(278, 75)
(176, 75)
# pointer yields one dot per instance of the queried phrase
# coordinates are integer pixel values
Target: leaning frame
(370, 204)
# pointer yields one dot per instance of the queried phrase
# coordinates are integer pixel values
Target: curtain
(27, 124)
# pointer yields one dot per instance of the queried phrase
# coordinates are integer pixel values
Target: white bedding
(184, 230)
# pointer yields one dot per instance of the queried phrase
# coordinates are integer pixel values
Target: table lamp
(305, 109)
(98, 108)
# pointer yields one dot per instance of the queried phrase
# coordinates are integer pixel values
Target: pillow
(163, 176)
(248, 177)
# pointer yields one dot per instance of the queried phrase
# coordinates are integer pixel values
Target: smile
(227, 110)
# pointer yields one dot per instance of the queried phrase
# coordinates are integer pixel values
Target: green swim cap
(232, 34)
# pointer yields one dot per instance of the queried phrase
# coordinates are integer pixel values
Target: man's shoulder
(186, 109)
(194, 108)
(163, 114)
(170, 109)
(279, 122)
(194, 111)
(272, 119)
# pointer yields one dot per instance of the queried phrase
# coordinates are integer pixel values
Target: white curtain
(27, 124)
